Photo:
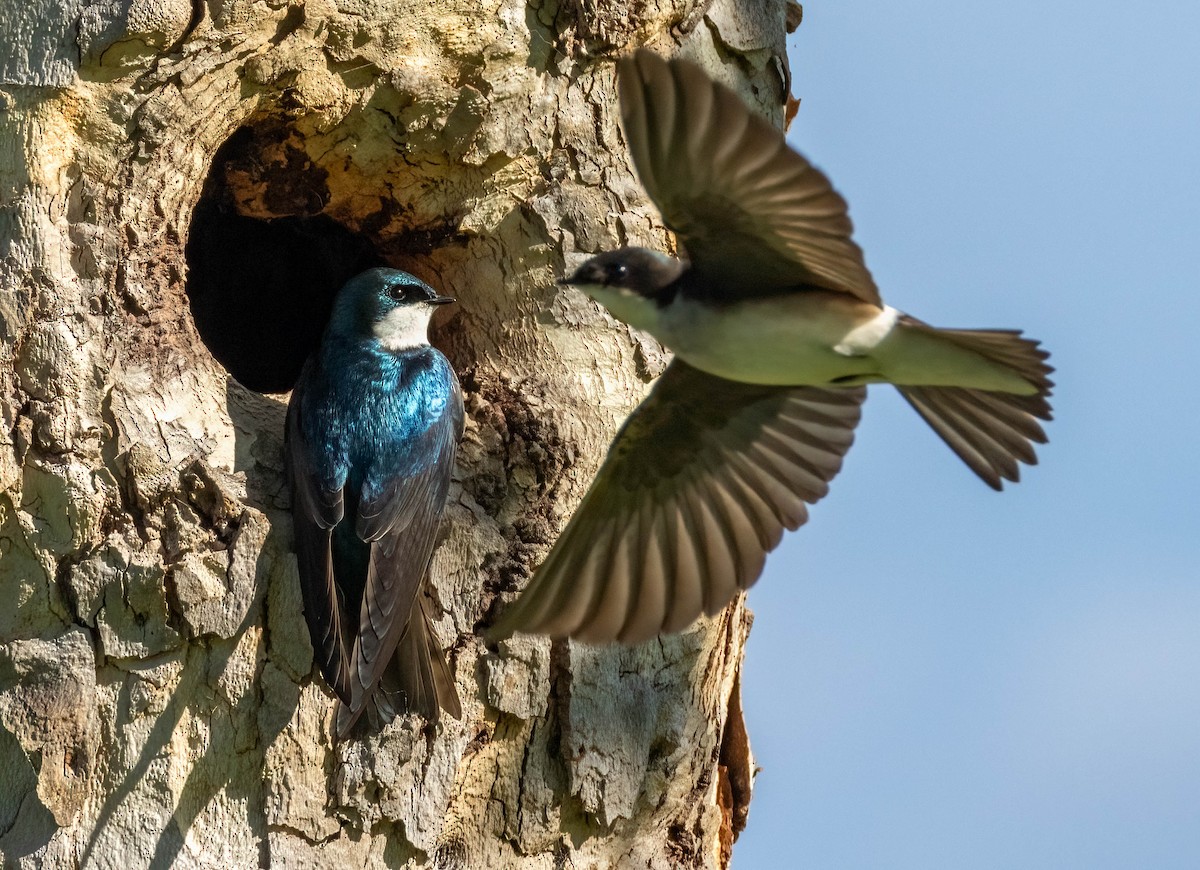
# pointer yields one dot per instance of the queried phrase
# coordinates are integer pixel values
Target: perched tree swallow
(776, 326)
(372, 429)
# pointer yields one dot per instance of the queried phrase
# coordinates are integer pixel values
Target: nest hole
(261, 288)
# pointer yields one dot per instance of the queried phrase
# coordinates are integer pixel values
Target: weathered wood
(158, 703)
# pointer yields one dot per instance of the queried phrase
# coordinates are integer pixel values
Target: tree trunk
(183, 186)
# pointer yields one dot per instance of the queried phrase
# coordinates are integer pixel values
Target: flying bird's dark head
(391, 306)
(636, 270)
(630, 282)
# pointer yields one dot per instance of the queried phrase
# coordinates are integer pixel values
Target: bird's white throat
(625, 305)
(404, 327)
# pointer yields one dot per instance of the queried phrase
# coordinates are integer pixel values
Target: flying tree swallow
(776, 326)
(372, 429)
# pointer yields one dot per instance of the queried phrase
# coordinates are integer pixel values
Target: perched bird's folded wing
(418, 679)
(399, 514)
(316, 509)
(754, 216)
(697, 488)
(394, 498)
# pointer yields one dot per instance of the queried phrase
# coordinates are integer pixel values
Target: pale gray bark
(158, 704)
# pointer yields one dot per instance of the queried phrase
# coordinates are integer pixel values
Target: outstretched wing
(399, 514)
(316, 509)
(697, 488)
(754, 216)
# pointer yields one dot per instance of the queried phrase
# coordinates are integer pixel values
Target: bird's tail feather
(992, 432)
(1007, 348)
(417, 680)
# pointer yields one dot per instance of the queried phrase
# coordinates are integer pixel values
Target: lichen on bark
(173, 174)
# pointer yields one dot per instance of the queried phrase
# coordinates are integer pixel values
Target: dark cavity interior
(260, 289)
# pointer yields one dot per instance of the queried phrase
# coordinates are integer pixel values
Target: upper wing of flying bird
(753, 214)
(315, 511)
(399, 514)
(697, 488)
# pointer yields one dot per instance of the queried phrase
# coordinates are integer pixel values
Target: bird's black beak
(579, 276)
(442, 300)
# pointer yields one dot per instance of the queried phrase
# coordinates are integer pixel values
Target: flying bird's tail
(992, 431)
(417, 680)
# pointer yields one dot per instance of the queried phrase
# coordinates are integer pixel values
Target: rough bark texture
(183, 185)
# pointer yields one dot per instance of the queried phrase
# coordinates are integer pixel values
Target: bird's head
(635, 271)
(632, 283)
(388, 305)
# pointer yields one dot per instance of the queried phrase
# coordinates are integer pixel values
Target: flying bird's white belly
(810, 338)
(807, 338)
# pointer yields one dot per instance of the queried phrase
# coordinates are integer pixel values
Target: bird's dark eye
(616, 272)
(400, 292)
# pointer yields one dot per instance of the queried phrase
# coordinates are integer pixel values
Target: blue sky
(945, 677)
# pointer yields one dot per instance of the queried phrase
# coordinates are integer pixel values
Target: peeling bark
(183, 186)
